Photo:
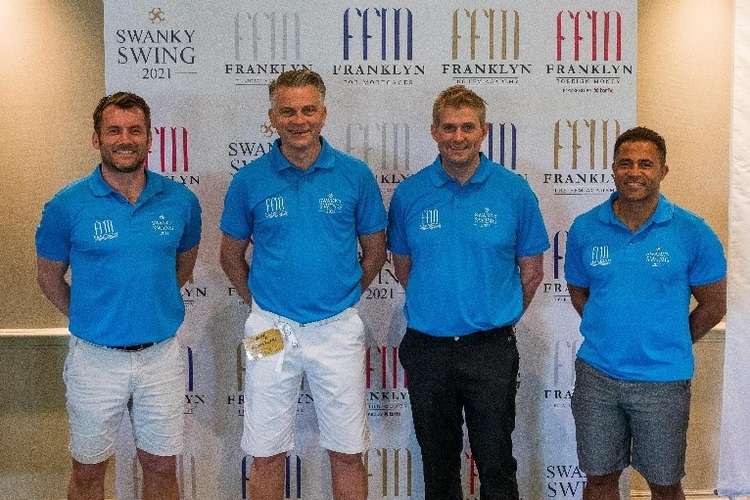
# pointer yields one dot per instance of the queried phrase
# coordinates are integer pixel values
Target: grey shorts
(617, 419)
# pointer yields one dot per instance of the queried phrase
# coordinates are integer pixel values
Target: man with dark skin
(632, 264)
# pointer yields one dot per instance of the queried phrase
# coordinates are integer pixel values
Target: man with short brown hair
(467, 239)
(131, 239)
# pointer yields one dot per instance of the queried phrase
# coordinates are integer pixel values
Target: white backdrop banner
(560, 82)
(734, 462)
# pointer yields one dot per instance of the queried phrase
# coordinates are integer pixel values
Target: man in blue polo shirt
(305, 205)
(632, 264)
(130, 238)
(467, 239)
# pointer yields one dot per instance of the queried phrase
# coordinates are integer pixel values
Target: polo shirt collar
(440, 177)
(100, 188)
(325, 159)
(663, 213)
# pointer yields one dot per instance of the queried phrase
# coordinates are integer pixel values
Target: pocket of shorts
(72, 349)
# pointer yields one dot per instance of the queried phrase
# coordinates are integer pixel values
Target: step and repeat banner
(560, 82)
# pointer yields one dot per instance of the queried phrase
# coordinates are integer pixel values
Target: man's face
(459, 135)
(298, 115)
(122, 139)
(638, 171)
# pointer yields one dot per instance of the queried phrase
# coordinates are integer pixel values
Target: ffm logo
(502, 144)
(570, 136)
(292, 476)
(391, 27)
(598, 31)
(393, 468)
(272, 34)
(381, 363)
(487, 30)
(384, 146)
(169, 150)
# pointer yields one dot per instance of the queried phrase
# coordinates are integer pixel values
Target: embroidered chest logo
(330, 204)
(104, 230)
(486, 218)
(600, 255)
(275, 207)
(658, 257)
(430, 219)
(162, 225)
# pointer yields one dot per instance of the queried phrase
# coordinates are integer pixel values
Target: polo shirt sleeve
(707, 264)
(396, 234)
(575, 271)
(370, 210)
(192, 234)
(53, 233)
(237, 218)
(531, 237)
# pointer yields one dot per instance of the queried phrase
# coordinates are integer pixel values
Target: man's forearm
(237, 272)
(57, 292)
(371, 265)
(702, 319)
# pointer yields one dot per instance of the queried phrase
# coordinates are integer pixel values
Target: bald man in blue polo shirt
(130, 238)
(467, 239)
(305, 205)
(632, 264)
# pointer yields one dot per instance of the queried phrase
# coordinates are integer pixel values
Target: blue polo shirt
(304, 226)
(122, 256)
(463, 242)
(635, 321)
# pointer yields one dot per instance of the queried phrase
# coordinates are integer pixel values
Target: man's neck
(634, 213)
(301, 158)
(128, 184)
(461, 173)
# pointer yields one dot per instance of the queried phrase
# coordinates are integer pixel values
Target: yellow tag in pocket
(264, 344)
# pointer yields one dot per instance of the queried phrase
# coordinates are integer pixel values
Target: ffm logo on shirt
(600, 255)
(104, 230)
(275, 207)
(330, 204)
(430, 219)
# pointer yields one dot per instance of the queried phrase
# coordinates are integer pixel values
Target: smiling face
(638, 171)
(123, 139)
(298, 115)
(459, 134)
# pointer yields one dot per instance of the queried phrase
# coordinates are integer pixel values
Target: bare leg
(348, 476)
(267, 477)
(159, 476)
(87, 481)
(670, 492)
(605, 487)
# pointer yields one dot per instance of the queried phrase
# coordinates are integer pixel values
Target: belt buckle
(135, 347)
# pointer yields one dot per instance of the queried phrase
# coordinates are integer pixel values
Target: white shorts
(100, 382)
(331, 354)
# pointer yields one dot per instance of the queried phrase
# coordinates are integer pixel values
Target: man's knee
(158, 465)
(89, 473)
(273, 461)
(606, 481)
(346, 459)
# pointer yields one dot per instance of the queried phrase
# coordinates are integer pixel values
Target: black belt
(499, 332)
(134, 347)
